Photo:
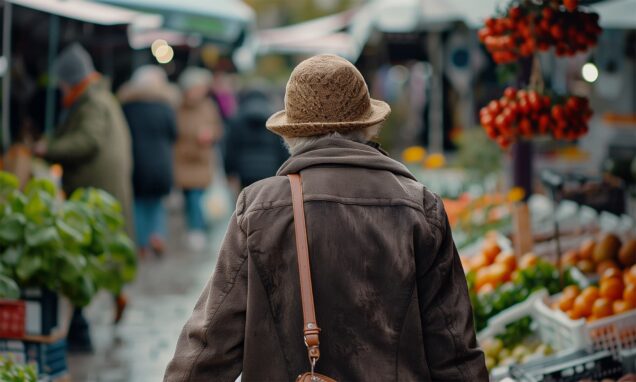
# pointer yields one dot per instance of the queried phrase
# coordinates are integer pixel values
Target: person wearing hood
(149, 103)
(390, 299)
(252, 153)
(199, 127)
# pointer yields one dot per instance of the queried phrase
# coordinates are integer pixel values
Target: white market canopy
(91, 12)
(219, 20)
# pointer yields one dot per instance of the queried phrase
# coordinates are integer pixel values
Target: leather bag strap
(311, 330)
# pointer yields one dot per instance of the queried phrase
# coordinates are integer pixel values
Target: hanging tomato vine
(520, 31)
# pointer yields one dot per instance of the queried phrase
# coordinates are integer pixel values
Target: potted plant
(74, 247)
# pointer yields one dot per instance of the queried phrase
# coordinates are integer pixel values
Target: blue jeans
(150, 219)
(194, 209)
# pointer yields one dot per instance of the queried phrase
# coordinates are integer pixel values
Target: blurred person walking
(149, 104)
(252, 153)
(389, 291)
(92, 144)
(199, 127)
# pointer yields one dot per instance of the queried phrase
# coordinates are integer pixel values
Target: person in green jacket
(93, 145)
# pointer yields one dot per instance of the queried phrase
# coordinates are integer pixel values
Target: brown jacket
(193, 160)
(390, 293)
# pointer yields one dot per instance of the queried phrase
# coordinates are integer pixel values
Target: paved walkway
(161, 299)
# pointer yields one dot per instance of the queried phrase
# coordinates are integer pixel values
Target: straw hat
(326, 93)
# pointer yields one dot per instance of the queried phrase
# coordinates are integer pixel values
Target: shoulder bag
(311, 330)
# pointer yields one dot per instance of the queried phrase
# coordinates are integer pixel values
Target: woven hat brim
(279, 124)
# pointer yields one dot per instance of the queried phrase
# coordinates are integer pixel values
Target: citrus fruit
(602, 307)
(621, 306)
(528, 260)
(571, 290)
(612, 288)
(582, 306)
(566, 302)
(603, 265)
(629, 294)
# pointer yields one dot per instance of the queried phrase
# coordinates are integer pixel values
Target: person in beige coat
(199, 127)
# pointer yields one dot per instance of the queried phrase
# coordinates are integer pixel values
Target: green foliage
(516, 332)
(74, 247)
(477, 153)
(14, 372)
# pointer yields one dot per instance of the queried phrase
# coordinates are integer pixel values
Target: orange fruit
(582, 306)
(592, 318)
(621, 306)
(478, 262)
(627, 253)
(629, 294)
(490, 250)
(498, 273)
(570, 258)
(601, 266)
(585, 265)
(602, 307)
(590, 293)
(630, 275)
(571, 290)
(587, 249)
(566, 302)
(573, 314)
(612, 288)
(482, 277)
(528, 260)
(508, 259)
(610, 272)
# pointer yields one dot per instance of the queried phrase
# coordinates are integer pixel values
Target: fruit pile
(615, 294)
(527, 27)
(498, 354)
(523, 113)
(606, 252)
(491, 266)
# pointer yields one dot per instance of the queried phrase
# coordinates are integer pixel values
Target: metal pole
(54, 31)
(6, 79)
(436, 108)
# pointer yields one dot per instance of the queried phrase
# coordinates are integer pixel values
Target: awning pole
(54, 31)
(6, 79)
(436, 103)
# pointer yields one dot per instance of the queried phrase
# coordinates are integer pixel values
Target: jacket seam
(399, 341)
(265, 208)
(451, 330)
(269, 308)
(188, 374)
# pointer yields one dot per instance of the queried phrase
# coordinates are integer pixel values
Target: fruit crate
(571, 367)
(614, 333)
(12, 318)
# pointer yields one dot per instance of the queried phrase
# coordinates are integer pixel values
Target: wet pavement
(161, 299)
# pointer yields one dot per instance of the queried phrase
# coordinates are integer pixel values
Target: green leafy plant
(73, 247)
(10, 371)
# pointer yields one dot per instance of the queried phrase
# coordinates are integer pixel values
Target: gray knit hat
(326, 93)
(73, 64)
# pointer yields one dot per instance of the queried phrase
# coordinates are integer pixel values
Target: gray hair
(363, 135)
(194, 76)
(148, 76)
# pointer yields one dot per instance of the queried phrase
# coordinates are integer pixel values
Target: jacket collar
(332, 151)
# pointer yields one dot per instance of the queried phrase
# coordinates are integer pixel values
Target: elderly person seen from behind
(389, 291)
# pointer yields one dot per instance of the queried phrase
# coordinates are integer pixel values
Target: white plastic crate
(614, 333)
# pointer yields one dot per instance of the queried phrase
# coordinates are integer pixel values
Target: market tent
(223, 21)
(322, 35)
(620, 14)
(91, 12)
